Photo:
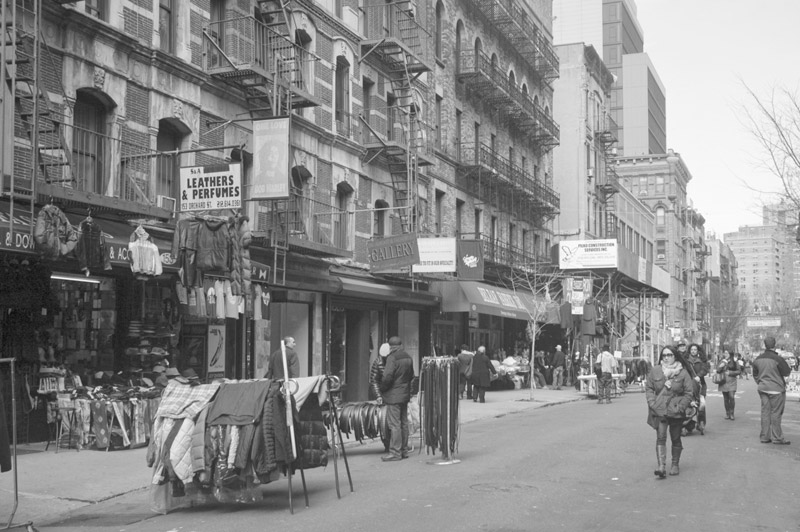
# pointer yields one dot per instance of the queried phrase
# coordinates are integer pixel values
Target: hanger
(89, 214)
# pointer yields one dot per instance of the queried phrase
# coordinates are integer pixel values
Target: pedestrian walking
(605, 381)
(275, 363)
(697, 363)
(396, 389)
(375, 379)
(770, 371)
(464, 371)
(668, 388)
(482, 369)
(559, 367)
(729, 370)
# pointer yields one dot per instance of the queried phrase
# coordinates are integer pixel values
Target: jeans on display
(772, 406)
(397, 418)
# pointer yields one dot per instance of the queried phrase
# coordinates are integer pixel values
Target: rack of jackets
(221, 441)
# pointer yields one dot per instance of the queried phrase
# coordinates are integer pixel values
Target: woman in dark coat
(669, 389)
(482, 368)
(730, 369)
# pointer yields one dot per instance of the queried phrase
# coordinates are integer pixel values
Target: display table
(589, 384)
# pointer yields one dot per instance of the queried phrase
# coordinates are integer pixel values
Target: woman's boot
(661, 456)
(676, 460)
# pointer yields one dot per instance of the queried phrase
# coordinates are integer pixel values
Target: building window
(438, 41)
(166, 25)
(368, 87)
(439, 206)
(660, 215)
(458, 134)
(88, 144)
(478, 223)
(379, 219)
(97, 9)
(169, 139)
(438, 122)
(341, 230)
(459, 214)
(342, 101)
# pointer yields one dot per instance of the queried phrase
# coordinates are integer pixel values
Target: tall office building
(638, 98)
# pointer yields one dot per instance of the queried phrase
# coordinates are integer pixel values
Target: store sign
(436, 255)
(270, 159)
(469, 265)
(763, 321)
(394, 252)
(587, 254)
(204, 188)
(18, 241)
(119, 253)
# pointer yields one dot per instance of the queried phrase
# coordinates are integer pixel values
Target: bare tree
(729, 314)
(774, 121)
(543, 280)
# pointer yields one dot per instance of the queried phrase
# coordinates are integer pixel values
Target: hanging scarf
(671, 370)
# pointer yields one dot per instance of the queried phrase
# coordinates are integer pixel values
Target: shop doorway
(354, 344)
(292, 319)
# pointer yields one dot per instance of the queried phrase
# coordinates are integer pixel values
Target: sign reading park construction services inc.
(436, 255)
(205, 188)
(587, 254)
(392, 252)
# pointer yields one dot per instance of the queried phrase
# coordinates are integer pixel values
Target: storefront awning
(367, 289)
(472, 296)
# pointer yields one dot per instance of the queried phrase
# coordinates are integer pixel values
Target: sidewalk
(52, 484)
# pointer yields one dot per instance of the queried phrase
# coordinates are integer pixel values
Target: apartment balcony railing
(108, 172)
(307, 225)
(393, 32)
(514, 24)
(248, 52)
(484, 77)
(502, 252)
(512, 175)
(406, 134)
(349, 125)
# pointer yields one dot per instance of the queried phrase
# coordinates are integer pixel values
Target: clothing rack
(440, 427)
(334, 386)
(28, 525)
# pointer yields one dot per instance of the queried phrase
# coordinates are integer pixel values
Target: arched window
(512, 79)
(660, 216)
(89, 150)
(439, 17)
(342, 102)
(170, 137)
(495, 63)
(344, 193)
(379, 218)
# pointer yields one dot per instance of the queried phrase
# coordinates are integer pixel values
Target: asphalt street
(573, 466)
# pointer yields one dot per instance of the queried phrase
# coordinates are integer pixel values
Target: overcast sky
(704, 51)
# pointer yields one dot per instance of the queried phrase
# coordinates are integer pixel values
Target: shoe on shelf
(391, 458)
(781, 442)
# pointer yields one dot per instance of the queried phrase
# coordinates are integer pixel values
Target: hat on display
(147, 382)
(162, 381)
(159, 369)
(384, 350)
(173, 372)
(189, 373)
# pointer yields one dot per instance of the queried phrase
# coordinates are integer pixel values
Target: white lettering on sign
(18, 241)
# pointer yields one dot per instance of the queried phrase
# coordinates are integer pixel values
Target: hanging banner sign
(587, 254)
(391, 253)
(469, 265)
(205, 188)
(270, 159)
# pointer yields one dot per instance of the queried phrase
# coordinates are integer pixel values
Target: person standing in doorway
(608, 365)
(275, 364)
(559, 366)
(482, 368)
(396, 390)
(770, 371)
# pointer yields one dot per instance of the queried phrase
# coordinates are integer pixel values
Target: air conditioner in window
(167, 203)
(590, 172)
(661, 256)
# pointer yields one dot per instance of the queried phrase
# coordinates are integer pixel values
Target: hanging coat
(91, 248)
(54, 235)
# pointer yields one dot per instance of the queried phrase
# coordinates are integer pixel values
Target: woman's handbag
(718, 378)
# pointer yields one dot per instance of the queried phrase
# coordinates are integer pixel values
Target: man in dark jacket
(770, 371)
(396, 390)
(559, 365)
(275, 365)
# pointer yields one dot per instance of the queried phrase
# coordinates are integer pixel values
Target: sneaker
(391, 458)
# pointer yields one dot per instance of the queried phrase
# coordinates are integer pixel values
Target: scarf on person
(671, 370)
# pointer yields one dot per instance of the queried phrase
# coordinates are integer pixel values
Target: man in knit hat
(396, 389)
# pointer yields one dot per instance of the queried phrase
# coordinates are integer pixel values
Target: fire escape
(264, 59)
(401, 48)
(515, 25)
(49, 168)
(607, 184)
